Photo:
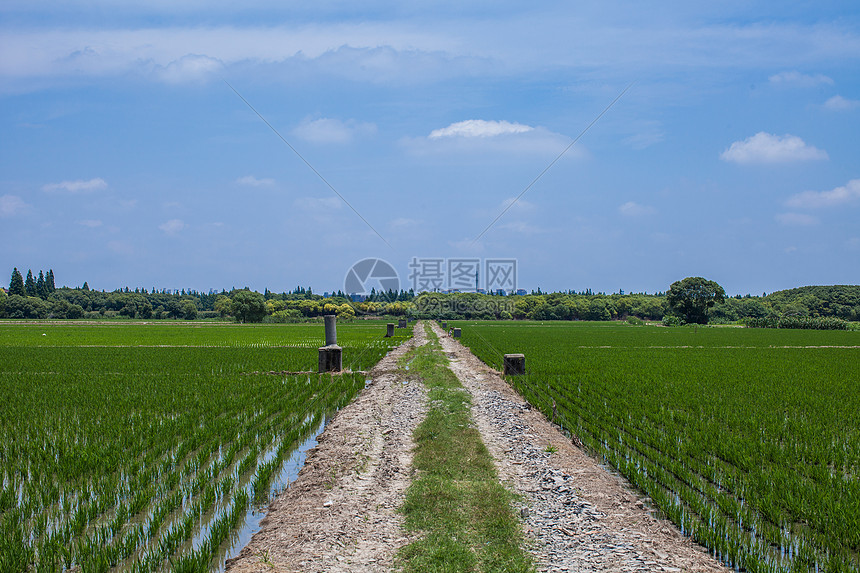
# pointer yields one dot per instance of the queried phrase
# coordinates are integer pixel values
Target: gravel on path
(577, 514)
(341, 513)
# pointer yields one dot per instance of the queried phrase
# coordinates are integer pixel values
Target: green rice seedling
(747, 439)
(108, 432)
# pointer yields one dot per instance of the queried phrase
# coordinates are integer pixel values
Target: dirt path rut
(341, 513)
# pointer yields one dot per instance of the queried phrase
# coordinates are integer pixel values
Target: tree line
(37, 296)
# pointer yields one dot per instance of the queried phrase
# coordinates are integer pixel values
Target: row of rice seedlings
(762, 535)
(95, 518)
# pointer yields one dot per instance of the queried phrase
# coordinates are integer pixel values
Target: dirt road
(341, 513)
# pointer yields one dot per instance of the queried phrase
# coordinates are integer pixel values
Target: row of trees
(41, 287)
(691, 300)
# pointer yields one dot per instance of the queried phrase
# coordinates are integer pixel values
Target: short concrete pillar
(456, 333)
(331, 358)
(444, 326)
(389, 332)
(515, 364)
(330, 329)
(401, 323)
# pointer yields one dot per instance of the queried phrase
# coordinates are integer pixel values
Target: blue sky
(126, 160)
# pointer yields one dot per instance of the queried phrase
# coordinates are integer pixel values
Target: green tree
(16, 285)
(41, 286)
(145, 310)
(692, 297)
(248, 306)
(75, 311)
(49, 281)
(25, 307)
(345, 311)
(189, 309)
(30, 284)
(223, 305)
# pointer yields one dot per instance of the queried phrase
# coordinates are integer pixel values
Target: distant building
(522, 291)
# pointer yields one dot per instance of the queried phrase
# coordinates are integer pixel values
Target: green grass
(120, 444)
(456, 502)
(748, 439)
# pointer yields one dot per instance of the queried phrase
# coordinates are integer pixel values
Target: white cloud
(173, 226)
(479, 128)
(477, 135)
(835, 197)
(91, 223)
(11, 205)
(796, 219)
(77, 186)
(327, 130)
(189, 68)
(251, 181)
(796, 78)
(632, 209)
(768, 148)
(414, 43)
(839, 103)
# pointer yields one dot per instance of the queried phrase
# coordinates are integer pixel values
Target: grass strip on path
(457, 501)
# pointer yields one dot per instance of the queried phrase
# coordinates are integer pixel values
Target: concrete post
(515, 364)
(444, 326)
(401, 323)
(330, 355)
(389, 330)
(330, 329)
(331, 359)
(456, 333)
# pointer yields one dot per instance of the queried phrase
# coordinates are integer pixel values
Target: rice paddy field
(747, 439)
(145, 447)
